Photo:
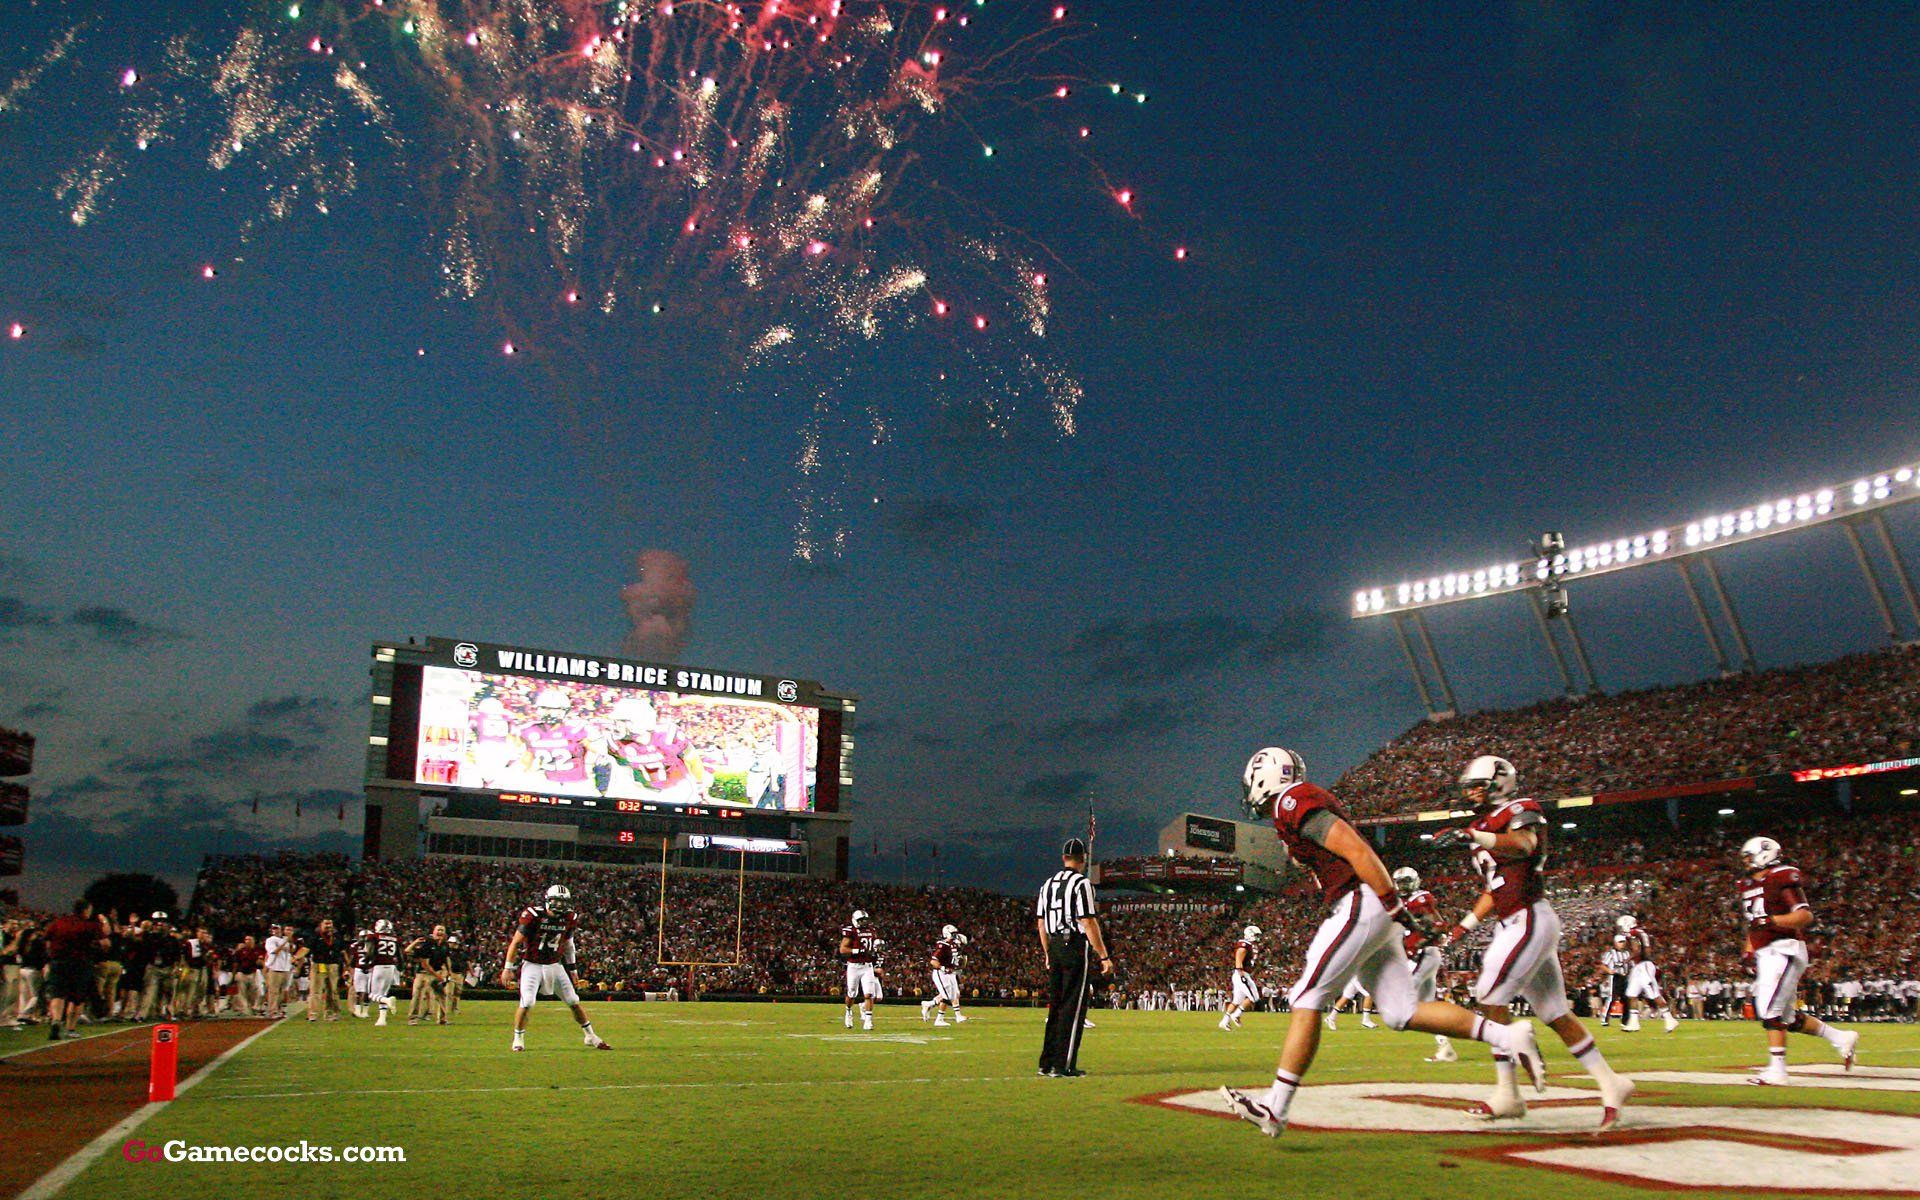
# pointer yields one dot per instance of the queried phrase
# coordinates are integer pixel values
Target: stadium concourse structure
(16, 759)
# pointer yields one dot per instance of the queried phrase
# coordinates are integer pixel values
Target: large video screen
(514, 733)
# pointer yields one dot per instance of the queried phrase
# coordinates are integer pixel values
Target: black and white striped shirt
(1616, 962)
(1064, 899)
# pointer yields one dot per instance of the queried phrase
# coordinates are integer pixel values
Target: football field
(763, 1100)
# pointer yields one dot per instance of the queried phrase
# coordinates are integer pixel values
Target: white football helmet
(635, 713)
(1758, 852)
(383, 926)
(1268, 773)
(493, 706)
(859, 917)
(1627, 923)
(1250, 934)
(949, 932)
(559, 899)
(551, 706)
(1492, 773)
(960, 939)
(1406, 881)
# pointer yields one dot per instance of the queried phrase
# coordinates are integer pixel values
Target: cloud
(1057, 787)
(38, 708)
(16, 613)
(1159, 651)
(1132, 719)
(290, 729)
(119, 628)
(933, 526)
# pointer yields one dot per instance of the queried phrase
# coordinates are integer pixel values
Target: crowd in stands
(1853, 709)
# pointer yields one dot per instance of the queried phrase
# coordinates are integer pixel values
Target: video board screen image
(514, 733)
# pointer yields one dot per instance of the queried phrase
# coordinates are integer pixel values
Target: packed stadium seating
(1853, 709)
(1679, 883)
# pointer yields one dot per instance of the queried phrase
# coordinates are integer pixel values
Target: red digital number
(625, 835)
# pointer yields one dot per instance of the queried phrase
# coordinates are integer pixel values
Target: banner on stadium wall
(13, 804)
(1171, 870)
(12, 855)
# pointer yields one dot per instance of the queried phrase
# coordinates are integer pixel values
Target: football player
(1422, 954)
(1353, 998)
(1643, 977)
(491, 745)
(543, 934)
(657, 758)
(360, 964)
(1361, 936)
(1773, 902)
(946, 961)
(380, 949)
(1615, 962)
(1508, 840)
(860, 948)
(1246, 993)
(555, 747)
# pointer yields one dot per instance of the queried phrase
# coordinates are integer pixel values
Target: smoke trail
(660, 605)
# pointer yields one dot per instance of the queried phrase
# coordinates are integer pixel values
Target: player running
(543, 933)
(1615, 962)
(1360, 937)
(1423, 956)
(380, 950)
(1509, 840)
(1643, 977)
(360, 965)
(1246, 993)
(946, 960)
(860, 948)
(1773, 900)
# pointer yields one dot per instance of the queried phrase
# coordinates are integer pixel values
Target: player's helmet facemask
(1488, 782)
(550, 707)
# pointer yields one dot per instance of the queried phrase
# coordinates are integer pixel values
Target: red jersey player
(543, 937)
(1508, 836)
(1423, 951)
(945, 963)
(1773, 902)
(1643, 977)
(1246, 992)
(556, 748)
(860, 950)
(1360, 938)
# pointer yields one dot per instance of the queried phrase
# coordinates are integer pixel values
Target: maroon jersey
(544, 931)
(1420, 904)
(657, 758)
(1514, 882)
(1252, 959)
(1779, 891)
(379, 950)
(861, 938)
(558, 751)
(946, 956)
(72, 936)
(1291, 808)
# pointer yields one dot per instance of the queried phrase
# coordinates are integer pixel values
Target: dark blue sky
(1458, 277)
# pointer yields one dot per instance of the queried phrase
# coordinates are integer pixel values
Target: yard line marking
(55, 1181)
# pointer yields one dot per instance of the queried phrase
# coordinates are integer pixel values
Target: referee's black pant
(1071, 956)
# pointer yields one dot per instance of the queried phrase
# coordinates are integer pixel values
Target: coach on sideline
(1070, 941)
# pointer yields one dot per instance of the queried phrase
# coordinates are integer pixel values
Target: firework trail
(772, 185)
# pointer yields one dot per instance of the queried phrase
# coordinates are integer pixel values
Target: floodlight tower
(1543, 577)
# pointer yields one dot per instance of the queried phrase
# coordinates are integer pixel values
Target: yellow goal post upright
(739, 921)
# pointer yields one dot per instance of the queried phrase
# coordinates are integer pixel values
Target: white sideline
(71, 1039)
(53, 1182)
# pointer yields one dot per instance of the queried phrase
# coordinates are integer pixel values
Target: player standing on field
(945, 962)
(1773, 901)
(544, 934)
(1615, 962)
(1643, 977)
(1509, 840)
(380, 950)
(1361, 937)
(1246, 992)
(860, 948)
(1422, 955)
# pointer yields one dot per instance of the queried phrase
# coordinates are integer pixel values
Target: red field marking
(59, 1099)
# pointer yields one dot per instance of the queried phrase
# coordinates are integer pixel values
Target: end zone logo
(1669, 1147)
(788, 691)
(466, 654)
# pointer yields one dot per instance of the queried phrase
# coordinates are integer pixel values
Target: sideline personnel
(1070, 941)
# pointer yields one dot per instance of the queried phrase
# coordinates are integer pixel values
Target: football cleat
(1849, 1042)
(1768, 1079)
(959, 1018)
(1526, 1052)
(1249, 1109)
(941, 1023)
(1673, 1022)
(1614, 1094)
(1443, 1051)
(1503, 1107)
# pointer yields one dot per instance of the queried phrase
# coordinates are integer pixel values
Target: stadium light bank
(1542, 577)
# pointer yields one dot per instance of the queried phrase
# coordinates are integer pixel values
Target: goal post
(739, 918)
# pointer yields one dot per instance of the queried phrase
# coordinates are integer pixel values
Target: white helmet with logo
(859, 917)
(1268, 773)
(383, 926)
(1250, 934)
(552, 704)
(947, 932)
(1627, 923)
(1492, 773)
(1759, 852)
(559, 899)
(1406, 880)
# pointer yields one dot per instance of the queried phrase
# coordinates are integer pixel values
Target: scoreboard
(512, 752)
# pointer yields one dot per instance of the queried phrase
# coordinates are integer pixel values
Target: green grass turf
(762, 1101)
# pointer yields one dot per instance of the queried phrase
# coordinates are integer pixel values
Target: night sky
(1457, 276)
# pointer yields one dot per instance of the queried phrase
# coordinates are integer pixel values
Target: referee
(1070, 941)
